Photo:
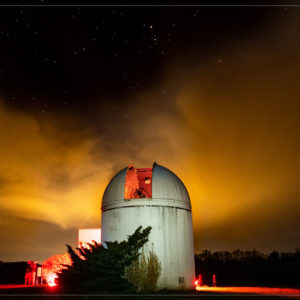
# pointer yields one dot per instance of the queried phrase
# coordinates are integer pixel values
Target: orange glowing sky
(229, 129)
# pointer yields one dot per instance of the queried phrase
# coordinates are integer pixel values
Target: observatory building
(153, 197)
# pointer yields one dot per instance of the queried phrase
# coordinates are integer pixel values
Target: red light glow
(51, 279)
(54, 264)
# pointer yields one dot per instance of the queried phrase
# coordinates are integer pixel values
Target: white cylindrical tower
(153, 197)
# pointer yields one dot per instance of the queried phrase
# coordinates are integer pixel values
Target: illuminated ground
(250, 290)
(204, 290)
(15, 286)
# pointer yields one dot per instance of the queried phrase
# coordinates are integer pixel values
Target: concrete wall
(171, 235)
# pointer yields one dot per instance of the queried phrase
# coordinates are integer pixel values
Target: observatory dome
(153, 197)
(157, 186)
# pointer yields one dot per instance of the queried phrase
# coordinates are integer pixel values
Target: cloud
(25, 239)
(243, 163)
(47, 178)
(228, 127)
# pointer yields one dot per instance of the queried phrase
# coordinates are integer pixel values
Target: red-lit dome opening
(145, 186)
(138, 183)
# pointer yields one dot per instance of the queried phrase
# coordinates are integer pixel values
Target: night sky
(212, 93)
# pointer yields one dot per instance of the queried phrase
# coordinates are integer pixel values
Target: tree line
(249, 267)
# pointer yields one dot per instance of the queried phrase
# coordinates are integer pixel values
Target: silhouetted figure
(214, 280)
(30, 274)
(200, 280)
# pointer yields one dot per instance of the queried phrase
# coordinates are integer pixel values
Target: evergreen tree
(100, 268)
